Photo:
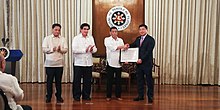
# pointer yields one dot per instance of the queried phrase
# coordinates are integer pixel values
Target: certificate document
(129, 55)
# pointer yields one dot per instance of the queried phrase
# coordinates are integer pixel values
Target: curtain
(187, 39)
(4, 19)
(31, 20)
(1, 20)
(186, 34)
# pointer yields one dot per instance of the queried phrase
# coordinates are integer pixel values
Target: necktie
(142, 39)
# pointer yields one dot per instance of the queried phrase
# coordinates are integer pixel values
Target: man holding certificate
(145, 43)
(113, 45)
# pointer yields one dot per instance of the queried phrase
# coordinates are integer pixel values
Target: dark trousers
(140, 82)
(54, 72)
(111, 72)
(86, 74)
(26, 107)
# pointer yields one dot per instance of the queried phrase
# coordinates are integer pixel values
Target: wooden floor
(170, 97)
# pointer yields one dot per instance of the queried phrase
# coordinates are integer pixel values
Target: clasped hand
(90, 48)
(58, 49)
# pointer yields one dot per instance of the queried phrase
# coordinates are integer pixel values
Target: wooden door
(101, 28)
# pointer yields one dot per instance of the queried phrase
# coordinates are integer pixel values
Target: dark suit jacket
(145, 52)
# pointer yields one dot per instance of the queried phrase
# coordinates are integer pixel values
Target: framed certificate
(129, 55)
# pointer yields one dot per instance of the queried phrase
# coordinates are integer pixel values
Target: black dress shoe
(87, 98)
(138, 99)
(48, 100)
(150, 101)
(60, 100)
(76, 99)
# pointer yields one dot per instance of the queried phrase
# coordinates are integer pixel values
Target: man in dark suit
(145, 43)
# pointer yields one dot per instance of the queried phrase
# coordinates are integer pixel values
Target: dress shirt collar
(83, 36)
(114, 39)
(143, 37)
(55, 37)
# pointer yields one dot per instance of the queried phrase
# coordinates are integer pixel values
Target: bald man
(9, 84)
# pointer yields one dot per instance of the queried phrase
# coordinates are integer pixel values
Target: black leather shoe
(76, 99)
(138, 99)
(48, 100)
(150, 101)
(87, 98)
(60, 100)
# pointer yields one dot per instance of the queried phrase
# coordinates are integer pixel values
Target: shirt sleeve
(122, 42)
(94, 48)
(110, 46)
(17, 91)
(45, 46)
(76, 48)
(64, 47)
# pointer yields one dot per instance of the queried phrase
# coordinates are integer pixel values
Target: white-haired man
(9, 84)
